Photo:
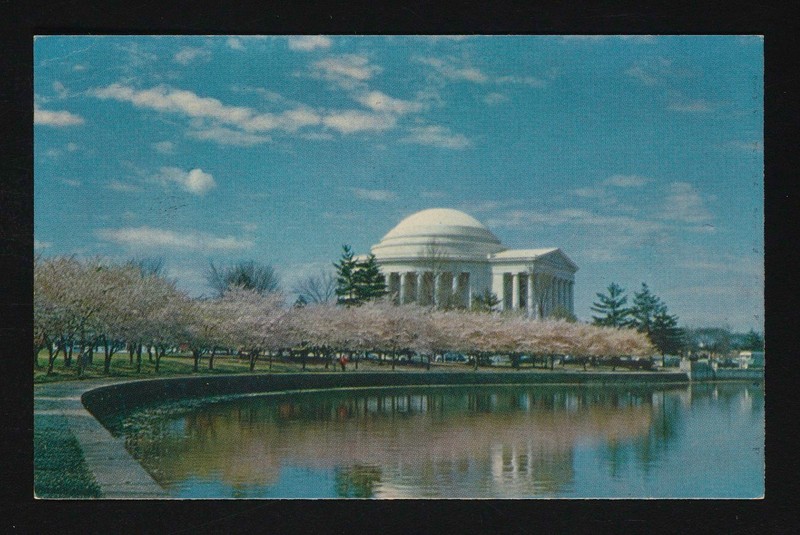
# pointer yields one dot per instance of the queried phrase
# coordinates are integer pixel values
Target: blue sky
(641, 157)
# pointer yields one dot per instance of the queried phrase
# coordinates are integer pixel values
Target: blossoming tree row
(90, 304)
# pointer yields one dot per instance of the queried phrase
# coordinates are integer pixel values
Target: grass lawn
(171, 365)
(59, 468)
(184, 365)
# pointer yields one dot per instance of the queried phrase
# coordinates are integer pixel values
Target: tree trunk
(130, 353)
(253, 357)
(51, 358)
(196, 355)
(138, 358)
(159, 354)
(149, 353)
(393, 359)
(303, 356)
(67, 355)
(270, 361)
(211, 358)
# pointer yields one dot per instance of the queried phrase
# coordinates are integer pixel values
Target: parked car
(454, 357)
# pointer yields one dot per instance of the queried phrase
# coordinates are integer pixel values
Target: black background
(19, 512)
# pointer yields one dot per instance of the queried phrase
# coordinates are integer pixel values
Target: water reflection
(435, 442)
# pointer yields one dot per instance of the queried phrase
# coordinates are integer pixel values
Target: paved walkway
(117, 473)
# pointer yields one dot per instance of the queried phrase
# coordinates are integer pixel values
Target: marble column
(420, 289)
(455, 290)
(529, 301)
(572, 297)
(499, 282)
(403, 288)
(514, 291)
(437, 289)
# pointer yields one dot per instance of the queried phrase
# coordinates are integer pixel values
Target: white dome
(444, 230)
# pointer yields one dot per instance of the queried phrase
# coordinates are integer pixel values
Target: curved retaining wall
(118, 398)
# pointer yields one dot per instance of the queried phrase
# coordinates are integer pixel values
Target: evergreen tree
(485, 302)
(753, 341)
(370, 282)
(665, 334)
(645, 307)
(347, 278)
(561, 313)
(612, 309)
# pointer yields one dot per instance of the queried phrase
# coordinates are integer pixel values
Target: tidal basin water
(699, 441)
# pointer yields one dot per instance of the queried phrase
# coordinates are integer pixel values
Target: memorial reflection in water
(503, 442)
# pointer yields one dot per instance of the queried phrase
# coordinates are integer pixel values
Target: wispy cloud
(55, 118)
(149, 237)
(227, 136)
(351, 121)
(374, 194)
(348, 71)
(187, 55)
(691, 105)
(39, 245)
(685, 204)
(71, 183)
(450, 71)
(493, 99)
(307, 43)
(121, 187)
(164, 147)
(234, 43)
(195, 181)
(749, 146)
(381, 102)
(627, 181)
(436, 136)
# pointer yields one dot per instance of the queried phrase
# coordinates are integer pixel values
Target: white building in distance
(442, 256)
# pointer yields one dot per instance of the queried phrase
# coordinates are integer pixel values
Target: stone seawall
(118, 398)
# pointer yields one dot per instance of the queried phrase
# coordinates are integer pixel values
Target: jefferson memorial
(444, 257)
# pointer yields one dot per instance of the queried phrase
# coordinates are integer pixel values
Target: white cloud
(749, 146)
(350, 121)
(685, 204)
(530, 81)
(55, 118)
(164, 147)
(122, 187)
(306, 43)
(195, 181)
(691, 106)
(165, 99)
(78, 67)
(149, 237)
(627, 181)
(433, 194)
(188, 54)
(162, 98)
(348, 71)
(228, 136)
(450, 71)
(39, 245)
(234, 43)
(71, 183)
(60, 90)
(638, 72)
(436, 136)
(381, 102)
(374, 194)
(492, 99)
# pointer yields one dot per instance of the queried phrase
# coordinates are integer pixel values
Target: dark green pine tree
(370, 282)
(753, 341)
(347, 278)
(611, 308)
(666, 335)
(645, 307)
(485, 302)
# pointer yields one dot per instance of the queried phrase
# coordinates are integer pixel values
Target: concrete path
(117, 473)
